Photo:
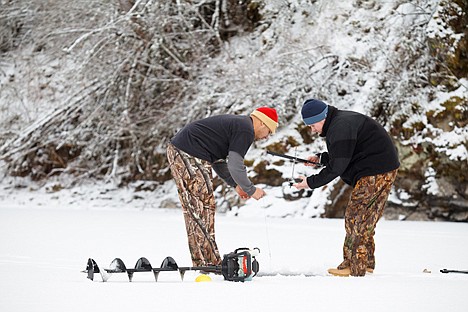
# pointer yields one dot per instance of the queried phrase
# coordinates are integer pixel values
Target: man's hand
(241, 193)
(259, 193)
(301, 185)
(314, 159)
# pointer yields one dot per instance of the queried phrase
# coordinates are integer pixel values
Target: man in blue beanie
(363, 155)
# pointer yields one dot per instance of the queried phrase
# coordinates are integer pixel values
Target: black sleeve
(324, 158)
(341, 145)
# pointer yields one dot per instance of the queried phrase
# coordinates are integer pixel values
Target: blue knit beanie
(314, 111)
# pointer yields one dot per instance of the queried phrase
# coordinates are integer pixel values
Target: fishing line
(267, 236)
(292, 181)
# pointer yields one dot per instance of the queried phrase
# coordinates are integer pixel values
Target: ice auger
(237, 266)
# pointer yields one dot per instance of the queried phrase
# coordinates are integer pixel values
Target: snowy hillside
(76, 106)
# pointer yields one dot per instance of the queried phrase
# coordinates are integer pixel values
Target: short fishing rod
(295, 159)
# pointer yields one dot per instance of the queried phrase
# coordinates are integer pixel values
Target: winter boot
(345, 265)
(340, 272)
(345, 271)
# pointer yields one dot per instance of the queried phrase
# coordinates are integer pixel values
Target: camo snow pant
(193, 178)
(364, 209)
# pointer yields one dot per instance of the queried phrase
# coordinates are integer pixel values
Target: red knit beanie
(268, 116)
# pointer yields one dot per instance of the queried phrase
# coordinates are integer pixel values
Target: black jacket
(216, 139)
(357, 146)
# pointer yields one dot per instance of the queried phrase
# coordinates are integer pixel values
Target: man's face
(263, 132)
(317, 127)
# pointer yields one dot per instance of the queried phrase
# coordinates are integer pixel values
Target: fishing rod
(295, 159)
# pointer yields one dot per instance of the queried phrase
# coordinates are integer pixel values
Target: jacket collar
(332, 110)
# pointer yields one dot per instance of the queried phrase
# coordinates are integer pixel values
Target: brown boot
(345, 271)
(340, 272)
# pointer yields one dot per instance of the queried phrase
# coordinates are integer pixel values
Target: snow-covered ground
(43, 250)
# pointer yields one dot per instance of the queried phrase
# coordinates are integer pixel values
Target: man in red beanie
(218, 142)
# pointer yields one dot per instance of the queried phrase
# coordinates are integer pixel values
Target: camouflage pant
(193, 178)
(364, 209)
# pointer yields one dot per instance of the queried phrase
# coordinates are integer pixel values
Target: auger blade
(117, 266)
(169, 263)
(142, 265)
(91, 268)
